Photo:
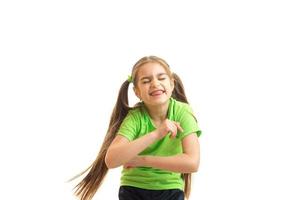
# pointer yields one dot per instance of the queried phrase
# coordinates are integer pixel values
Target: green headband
(129, 79)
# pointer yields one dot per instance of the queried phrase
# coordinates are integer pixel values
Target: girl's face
(154, 86)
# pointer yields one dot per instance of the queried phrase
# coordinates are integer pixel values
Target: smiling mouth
(157, 92)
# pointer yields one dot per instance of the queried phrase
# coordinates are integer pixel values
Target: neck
(158, 113)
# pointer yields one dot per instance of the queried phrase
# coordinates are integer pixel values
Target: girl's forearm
(121, 153)
(182, 163)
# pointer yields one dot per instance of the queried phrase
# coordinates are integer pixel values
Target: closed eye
(146, 80)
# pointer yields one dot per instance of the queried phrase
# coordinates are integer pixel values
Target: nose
(155, 82)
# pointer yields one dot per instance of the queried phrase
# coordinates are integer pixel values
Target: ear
(137, 92)
(172, 83)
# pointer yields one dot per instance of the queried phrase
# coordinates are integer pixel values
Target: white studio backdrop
(62, 63)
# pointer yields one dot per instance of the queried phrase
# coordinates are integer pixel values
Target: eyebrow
(149, 77)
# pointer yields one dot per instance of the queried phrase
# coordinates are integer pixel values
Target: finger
(172, 136)
(178, 126)
(173, 132)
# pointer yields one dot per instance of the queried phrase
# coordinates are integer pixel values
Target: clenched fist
(168, 126)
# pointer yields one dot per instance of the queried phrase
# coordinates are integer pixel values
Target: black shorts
(134, 193)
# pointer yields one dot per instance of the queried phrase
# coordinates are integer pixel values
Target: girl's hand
(135, 162)
(168, 126)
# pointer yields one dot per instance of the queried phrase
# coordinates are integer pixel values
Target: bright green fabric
(138, 123)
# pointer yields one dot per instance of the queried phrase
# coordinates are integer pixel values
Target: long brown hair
(97, 171)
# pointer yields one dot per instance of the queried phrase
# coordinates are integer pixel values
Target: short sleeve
(129, 127)
(188, 122)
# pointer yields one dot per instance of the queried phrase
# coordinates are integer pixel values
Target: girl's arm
(122, 150)
(187, 162)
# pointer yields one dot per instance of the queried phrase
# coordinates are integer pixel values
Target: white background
(62, 63)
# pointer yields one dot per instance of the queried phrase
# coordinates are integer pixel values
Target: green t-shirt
(138, 123)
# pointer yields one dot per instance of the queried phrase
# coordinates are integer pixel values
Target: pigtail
(89, 185)
(179, 94)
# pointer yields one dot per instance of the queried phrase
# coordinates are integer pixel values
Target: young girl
(156, 141)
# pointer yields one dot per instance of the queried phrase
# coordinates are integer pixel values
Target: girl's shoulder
(179, 110)
(179, 106)
(136, 111)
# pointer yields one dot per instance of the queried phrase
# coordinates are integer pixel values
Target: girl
(156, 141)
